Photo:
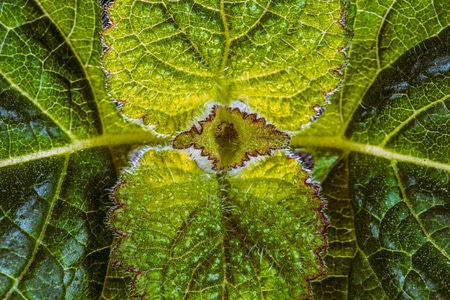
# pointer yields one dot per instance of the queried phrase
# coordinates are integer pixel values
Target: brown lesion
(229, 137)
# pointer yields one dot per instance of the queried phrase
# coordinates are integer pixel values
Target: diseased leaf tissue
(215, 203)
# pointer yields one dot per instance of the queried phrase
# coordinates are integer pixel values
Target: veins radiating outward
(227, 81)
(232, 80)
(198, 52)
(216, 234)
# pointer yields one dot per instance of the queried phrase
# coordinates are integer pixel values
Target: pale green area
(167, 62)
(252, 235)
(167, 59)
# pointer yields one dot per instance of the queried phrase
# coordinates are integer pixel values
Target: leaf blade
(389, 177)
(54, 158)
(212, 237)
(190, 53)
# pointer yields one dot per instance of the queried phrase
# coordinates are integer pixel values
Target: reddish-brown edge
(316, 186)
(247, 156)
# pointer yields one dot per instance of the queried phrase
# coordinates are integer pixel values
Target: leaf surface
(56, 126)
(169, 62)
(388, 140)
(188, 233)
(167, 59)
(382, 32)
(385, 137)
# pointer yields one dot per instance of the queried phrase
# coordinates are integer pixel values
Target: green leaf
(56, 127)
(188, 233)
(381, 149)
(382, 32)
(230, 137)
(167, 59)
(388, 142)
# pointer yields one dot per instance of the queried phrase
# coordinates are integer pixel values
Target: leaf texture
(167, 59)
(56, 124)
(171, 60)
(187, 233)
(388, 190)
(381, 150)
(382, 32)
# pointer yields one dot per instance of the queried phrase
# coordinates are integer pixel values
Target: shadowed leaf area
(53, 244)
(253, 230)
(390, 211)
(55, 163)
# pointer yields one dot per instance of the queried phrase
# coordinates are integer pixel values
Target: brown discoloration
(121, 235)
(228, 140)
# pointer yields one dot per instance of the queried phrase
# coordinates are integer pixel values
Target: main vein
(344, 145)
(106, 140)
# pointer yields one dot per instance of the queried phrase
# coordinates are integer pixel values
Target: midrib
(344, 145)
(106, 140)
(148, 138)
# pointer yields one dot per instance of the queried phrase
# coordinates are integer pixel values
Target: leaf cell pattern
(385, 135)
(167, 59)
(53, 244)
(252, 235)
(395, 179)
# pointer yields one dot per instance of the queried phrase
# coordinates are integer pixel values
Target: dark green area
(390, 224)
(417, 81)
(53, 238)
(24, 128)
(390, 227)
(53, 241)
(43, 75)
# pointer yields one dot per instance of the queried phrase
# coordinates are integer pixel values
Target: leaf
(56, 127)
(380, 149)
(167, 59)
(382, 32)
(387, 191)
(230, 137)
(188, 233)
